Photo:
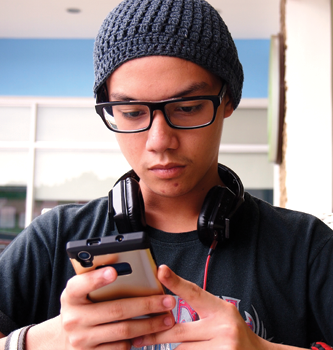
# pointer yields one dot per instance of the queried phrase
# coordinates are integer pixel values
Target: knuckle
(116, 311)
(194, 292)
(69, 322)
(235, 331)
(76, 342)
(152, 324)
(230, 307)
(148, 305)
(153, 340)
(124, 330)
(64, 296)
(69, 291)
(196, 289)
(179, 331)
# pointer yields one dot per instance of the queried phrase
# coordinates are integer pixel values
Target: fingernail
(168, 321)
(137, 341)
(107, 274)
(168, 302)
(167, 273)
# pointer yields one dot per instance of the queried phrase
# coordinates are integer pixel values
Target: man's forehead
(187, 90)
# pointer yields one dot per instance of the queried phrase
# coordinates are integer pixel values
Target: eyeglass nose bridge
(159, 106)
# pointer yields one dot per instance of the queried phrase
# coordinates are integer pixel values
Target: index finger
(201, 301)
(79, 286)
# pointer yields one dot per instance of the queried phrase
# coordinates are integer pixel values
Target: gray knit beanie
(188, 29)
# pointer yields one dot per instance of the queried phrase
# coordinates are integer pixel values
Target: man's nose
(160, 135)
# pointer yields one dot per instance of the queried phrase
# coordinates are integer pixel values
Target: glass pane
(76, 175)
(253, 169)
(12, 211)
(266, 195)
(246, 126)
(71, 124)
(3, 244)
(15, 122)
(14, 165)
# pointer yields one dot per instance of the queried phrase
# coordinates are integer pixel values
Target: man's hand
(106, 325)
(220, 326)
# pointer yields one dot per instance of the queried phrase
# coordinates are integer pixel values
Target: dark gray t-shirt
(277, 268)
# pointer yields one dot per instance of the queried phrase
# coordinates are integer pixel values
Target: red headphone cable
(210, 253)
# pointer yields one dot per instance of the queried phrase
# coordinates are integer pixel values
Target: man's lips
(166, 166)
(167, 170)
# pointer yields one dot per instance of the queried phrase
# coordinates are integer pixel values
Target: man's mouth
(168, 170)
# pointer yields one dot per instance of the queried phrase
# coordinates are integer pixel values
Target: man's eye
(193, 108)
(186, 109)
(133, 114)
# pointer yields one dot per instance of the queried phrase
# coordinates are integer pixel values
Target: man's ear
(228, 107)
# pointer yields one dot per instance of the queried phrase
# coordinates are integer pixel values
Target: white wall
(309, 106)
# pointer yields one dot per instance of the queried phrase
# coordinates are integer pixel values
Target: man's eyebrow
(191, 89)
(115, 96)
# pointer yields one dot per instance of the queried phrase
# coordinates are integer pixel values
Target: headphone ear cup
(205, 231)
(135, 206)
(126, 207)
(216, 208)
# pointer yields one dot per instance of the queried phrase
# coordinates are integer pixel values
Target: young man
(166, 76)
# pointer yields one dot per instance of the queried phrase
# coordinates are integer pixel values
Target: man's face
(169, 162)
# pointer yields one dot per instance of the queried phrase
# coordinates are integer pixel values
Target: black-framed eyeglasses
(181, 113)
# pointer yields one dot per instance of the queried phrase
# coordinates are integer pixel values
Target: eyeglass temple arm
(102, 94)
(223, 91)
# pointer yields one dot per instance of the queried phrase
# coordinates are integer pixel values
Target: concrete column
(308, 156)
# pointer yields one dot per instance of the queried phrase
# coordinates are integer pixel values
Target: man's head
(169, 161)
(187, 29)
(175, 56)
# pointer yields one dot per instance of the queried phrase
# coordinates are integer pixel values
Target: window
(55, 151)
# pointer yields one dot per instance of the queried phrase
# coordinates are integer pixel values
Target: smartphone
(129, 254)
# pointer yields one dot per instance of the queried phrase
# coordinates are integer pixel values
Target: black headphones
(126, 206)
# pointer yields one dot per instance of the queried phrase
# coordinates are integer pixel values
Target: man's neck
(175, 214)
(172, 215)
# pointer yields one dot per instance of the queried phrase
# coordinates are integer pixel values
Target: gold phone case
(136, 267)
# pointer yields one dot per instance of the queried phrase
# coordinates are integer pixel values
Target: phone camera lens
(119, 238)
(85, 259)
(84, 256)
